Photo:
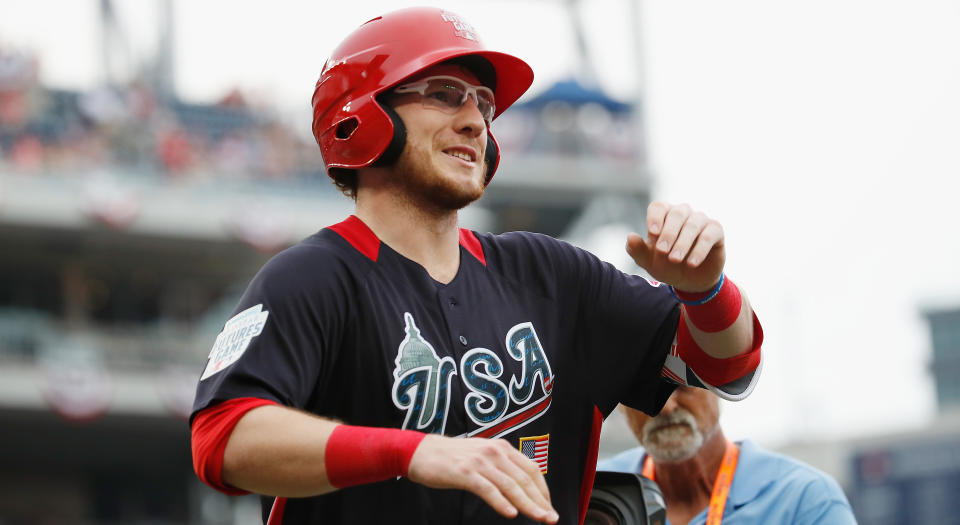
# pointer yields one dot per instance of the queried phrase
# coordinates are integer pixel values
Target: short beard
(426, 189)
(672, 438)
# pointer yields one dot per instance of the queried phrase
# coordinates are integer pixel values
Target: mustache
(679, 416)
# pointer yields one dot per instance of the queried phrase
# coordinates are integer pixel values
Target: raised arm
(685, 249)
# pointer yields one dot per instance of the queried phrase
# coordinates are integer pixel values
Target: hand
(683, 248)
(490, 468)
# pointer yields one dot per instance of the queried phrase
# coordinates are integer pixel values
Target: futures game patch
(234, 339)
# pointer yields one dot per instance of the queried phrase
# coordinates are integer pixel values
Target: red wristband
(359, 455)
(716, 314)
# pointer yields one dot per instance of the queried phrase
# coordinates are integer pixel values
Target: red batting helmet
(352, 128)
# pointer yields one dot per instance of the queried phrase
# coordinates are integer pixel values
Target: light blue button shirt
(768, 488)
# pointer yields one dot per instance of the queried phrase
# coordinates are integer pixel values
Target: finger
(513, 482)
(709, 238)
(521, 499)
(671, 227)
(688, 235)
(488, 492)
(516, 477)
(531, 479)
(527, 475)
(640, 249)
(656, 212)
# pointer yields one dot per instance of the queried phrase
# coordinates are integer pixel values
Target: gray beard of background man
(674, 437)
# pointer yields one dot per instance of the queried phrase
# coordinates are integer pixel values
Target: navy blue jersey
(534, 341)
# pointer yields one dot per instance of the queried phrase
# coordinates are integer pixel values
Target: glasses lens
(485, 103)
(444, 94)
(448, 94)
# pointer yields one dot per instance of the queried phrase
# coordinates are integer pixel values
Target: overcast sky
(823, 134)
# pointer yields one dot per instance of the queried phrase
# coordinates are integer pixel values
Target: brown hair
(345, 180)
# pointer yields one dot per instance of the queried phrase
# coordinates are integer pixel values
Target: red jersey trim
(590, 468)
(209, 434)
(276, 511)
(362, 238)
(718, 372)
(359, 235)
(469, 241)
(513, 423)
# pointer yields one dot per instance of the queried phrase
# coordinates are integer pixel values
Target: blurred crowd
(43, 129)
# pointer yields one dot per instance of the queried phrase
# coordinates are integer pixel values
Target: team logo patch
(234, 339)
(653, 283)
(460, 26)
(536, 448)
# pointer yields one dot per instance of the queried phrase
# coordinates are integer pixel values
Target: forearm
(734, 340)
(278, 451)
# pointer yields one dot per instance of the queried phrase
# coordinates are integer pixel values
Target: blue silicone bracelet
(713, 293)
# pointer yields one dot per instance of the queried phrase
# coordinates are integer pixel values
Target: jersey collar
(362, 238)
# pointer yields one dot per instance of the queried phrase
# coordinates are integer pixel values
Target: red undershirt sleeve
(715, 371)
(209, 432)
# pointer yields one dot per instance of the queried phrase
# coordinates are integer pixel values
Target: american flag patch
(535, 448)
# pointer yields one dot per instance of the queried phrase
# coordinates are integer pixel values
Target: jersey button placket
(453, 304)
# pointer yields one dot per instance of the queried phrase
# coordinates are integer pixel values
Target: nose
(469, 119)
(669, 406)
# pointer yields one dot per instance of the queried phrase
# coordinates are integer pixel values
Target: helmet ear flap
(491, 156)
(397, 142)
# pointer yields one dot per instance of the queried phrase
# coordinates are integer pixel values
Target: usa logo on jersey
(422, 381)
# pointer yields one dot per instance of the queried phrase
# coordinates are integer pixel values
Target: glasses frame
(420, 87)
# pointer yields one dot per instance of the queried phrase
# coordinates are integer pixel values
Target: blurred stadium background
(130, 220)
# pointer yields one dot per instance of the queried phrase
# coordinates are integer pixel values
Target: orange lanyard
(721, 487)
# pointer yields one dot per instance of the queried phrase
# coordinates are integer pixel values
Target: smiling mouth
(462, 155)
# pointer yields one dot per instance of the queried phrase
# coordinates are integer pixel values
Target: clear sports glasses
(448, 94)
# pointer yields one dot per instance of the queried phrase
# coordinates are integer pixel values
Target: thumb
(640, 249)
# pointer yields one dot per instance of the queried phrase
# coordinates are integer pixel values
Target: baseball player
(395, 368)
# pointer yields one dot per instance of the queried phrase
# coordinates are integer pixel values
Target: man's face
(442, 164)
(690, 416)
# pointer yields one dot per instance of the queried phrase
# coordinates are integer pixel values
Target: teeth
(460, 155)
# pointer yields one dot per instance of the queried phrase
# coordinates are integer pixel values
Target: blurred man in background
(705, 478)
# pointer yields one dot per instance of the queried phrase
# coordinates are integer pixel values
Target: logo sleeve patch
(235, 338)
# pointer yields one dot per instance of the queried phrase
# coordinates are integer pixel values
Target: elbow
(209, 463)
(232, 467)
(210, 433)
